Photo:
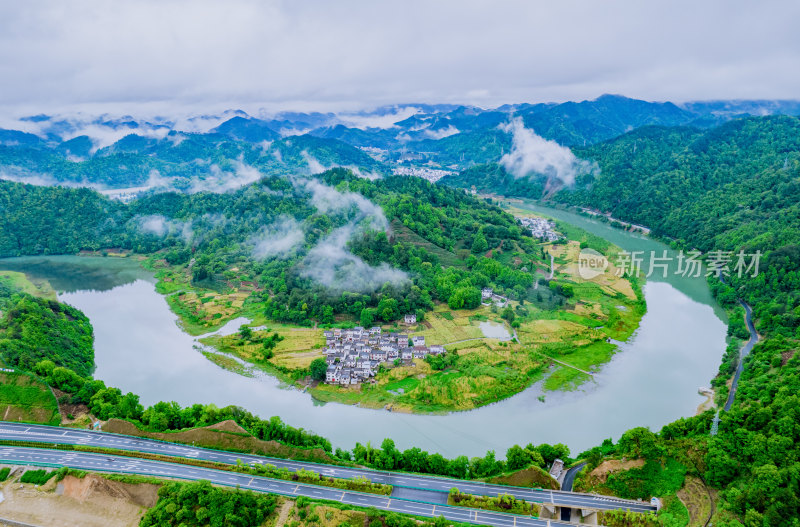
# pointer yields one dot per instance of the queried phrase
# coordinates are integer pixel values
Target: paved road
(72, 436)
(744, 352)
(569, 479)
(108, 463)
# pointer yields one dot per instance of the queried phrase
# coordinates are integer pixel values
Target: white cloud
(378, 120)
(349, 55)
(327, 199)
(159, 225)
(332, 265)
(279, 239)
(441, 133)
(533, 154)
(220, 181)
(314, 166)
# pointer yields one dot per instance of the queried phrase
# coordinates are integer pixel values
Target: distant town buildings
(541, 228)
(353, 355)
(431, 174)
(378, 154)
(410, 319)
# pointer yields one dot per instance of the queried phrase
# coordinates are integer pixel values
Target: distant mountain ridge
(125, 151)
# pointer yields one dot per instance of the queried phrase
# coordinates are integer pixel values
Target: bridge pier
(587, 516)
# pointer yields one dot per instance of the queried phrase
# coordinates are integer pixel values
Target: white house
(410, 319)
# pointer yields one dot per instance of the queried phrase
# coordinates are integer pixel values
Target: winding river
(651, 381)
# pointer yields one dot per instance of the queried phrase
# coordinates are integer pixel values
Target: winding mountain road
(743, 353)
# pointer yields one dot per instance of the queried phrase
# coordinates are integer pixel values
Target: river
(653, 380)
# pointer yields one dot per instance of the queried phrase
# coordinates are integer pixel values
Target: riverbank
(650, 381)
(564, 334)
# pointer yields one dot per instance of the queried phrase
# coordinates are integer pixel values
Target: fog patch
(43, 180)
(161, 226)
(376, 120)
(314, 166)
(220, 181)
(531, 153)
(441, 133)
(330, 263)
(327, 199)
(280, 239)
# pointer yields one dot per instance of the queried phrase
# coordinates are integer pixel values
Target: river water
(651, 381)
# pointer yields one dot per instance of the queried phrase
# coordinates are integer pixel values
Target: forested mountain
(160, 152)
(730, 188)
(317, 247)
(184, 161)
(731, 185)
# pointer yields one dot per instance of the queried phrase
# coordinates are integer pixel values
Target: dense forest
(731, 188)
(398, 244)
(35, 329)
(197, 504)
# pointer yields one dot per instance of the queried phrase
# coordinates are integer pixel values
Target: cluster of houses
(353, 355)
(541, 228)
(489, 297)
(431, 174)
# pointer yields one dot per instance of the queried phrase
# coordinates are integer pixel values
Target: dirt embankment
(223, 435)
(595, 480)
(89, 502)
(528, 477)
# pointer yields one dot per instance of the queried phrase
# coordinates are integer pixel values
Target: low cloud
(442, 132)
(332, 265)
(42, 180)
(280, 239)
(220, 181)
(382, 120)
(314, 166)
(327, 199)
(161, 226)
(533, 154)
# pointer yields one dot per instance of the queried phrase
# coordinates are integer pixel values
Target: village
(354, 355)
(541, 228)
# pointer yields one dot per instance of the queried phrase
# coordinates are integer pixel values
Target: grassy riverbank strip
(262, 470)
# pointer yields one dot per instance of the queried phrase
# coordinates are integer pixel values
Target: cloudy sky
(348, 54)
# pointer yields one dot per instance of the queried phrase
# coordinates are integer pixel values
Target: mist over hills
(429, 140)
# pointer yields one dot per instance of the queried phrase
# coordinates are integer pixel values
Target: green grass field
(24, 399)
(16, 281)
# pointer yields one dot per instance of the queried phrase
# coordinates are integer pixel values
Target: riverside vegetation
(735, 186)
(214, 260)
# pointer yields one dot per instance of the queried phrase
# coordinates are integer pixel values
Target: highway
(418, 486)
(109, 463)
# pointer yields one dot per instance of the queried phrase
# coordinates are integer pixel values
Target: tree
(508, 314)
(245, 332)
(479, 244)
(517, 457)
(318, 369)
(367, 318)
